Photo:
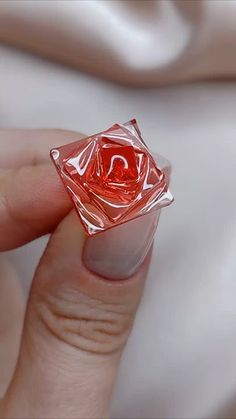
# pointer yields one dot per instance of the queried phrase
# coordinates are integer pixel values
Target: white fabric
(147, 42)
(180, 361)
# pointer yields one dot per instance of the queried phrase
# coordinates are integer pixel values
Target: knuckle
(88, 324)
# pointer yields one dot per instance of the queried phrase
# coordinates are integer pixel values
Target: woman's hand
(76, 323)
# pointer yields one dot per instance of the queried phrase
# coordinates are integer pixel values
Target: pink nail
(118, 253)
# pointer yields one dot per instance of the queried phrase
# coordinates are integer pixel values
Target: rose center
(119, 164)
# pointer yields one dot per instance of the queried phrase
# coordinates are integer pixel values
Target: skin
(76, 323)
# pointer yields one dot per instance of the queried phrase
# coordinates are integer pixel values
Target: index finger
(31, 147)
(32, 198)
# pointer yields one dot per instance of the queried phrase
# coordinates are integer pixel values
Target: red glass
(111, 177)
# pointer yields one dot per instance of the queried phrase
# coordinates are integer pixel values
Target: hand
(76, 323)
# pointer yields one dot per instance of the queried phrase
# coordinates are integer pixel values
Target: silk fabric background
(145, 42)
(180, 361)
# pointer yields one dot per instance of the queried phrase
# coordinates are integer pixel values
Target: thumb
(78, 318)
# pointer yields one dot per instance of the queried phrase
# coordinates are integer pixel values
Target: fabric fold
(145, 42)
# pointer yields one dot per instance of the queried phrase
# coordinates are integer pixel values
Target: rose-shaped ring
(111, 177)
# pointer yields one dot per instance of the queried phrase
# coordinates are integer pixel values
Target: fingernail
(118, 253)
